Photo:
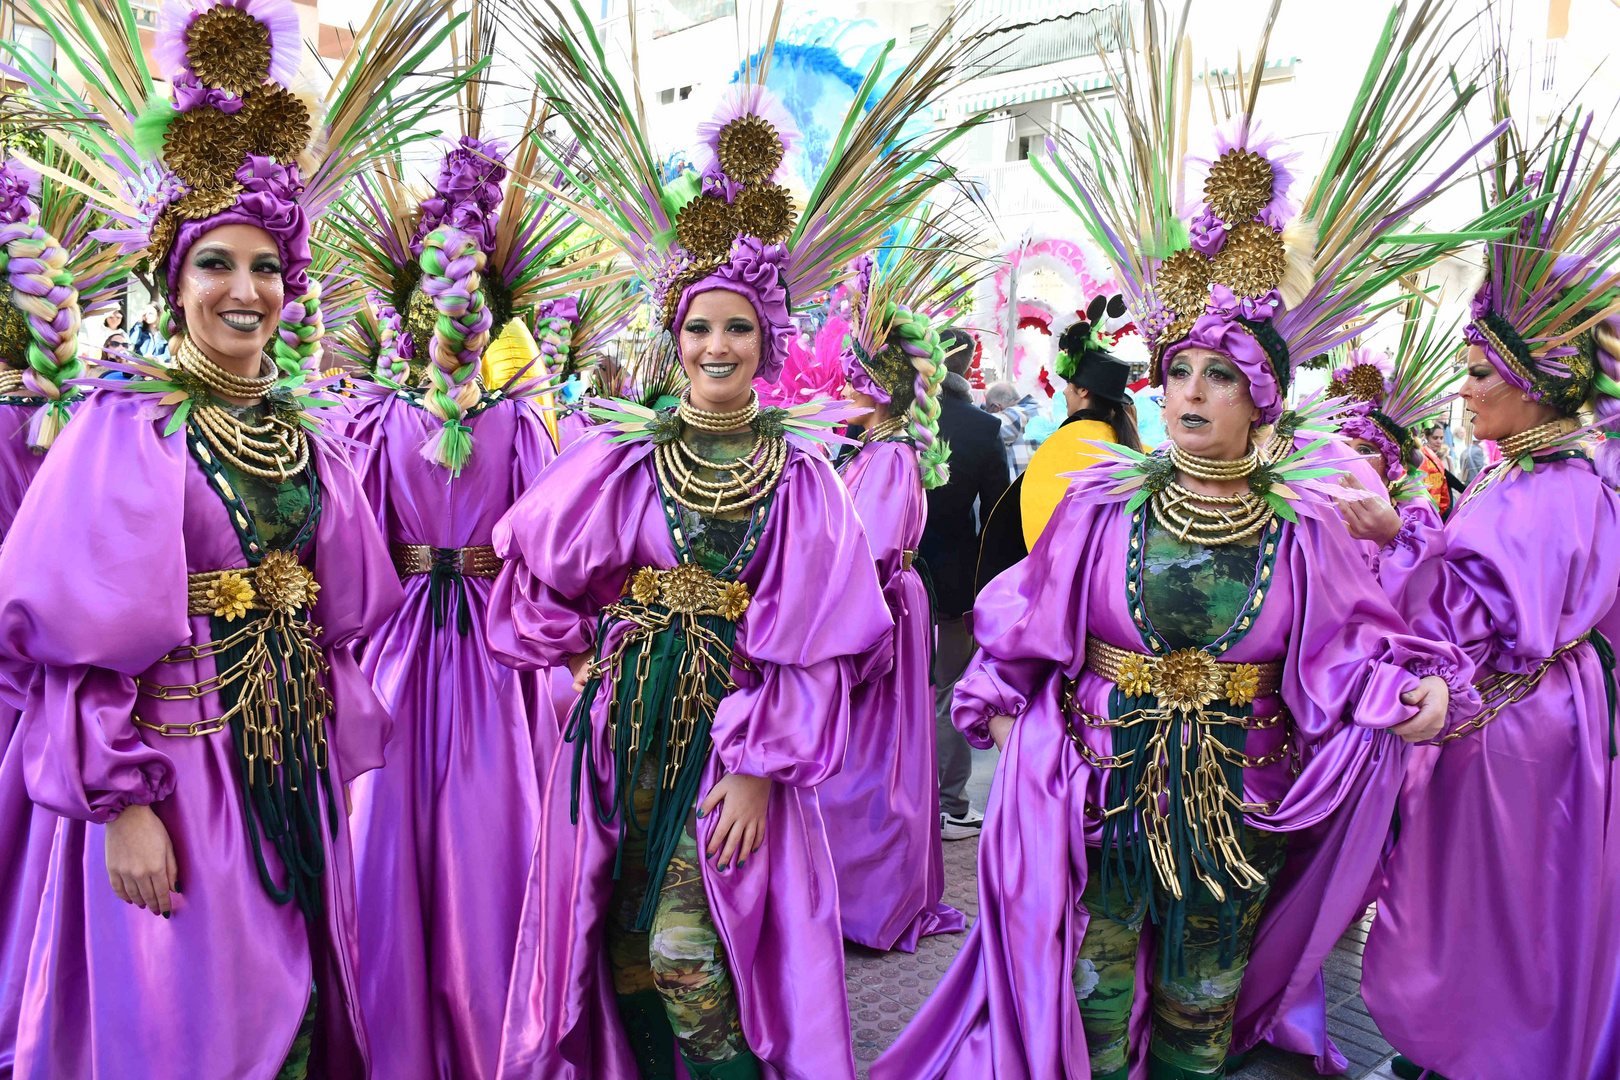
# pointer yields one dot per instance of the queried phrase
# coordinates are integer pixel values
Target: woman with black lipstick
(1199, 691)
(187, 575)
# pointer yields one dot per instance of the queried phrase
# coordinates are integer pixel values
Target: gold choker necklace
(276, 449)
(1517, 446)
(718, 423)
(1209, 469)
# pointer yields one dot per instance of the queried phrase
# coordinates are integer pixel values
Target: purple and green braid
(452, 269)
(916, 337)
(35, 264)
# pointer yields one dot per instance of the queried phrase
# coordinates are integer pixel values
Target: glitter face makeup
(720, 346)
(231, 293)
(1499, 408)
(1207, 407)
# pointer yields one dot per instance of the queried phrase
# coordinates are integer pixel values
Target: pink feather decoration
(810, 373)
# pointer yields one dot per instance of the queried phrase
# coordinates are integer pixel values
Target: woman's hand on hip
(140, 860)
(741, 829)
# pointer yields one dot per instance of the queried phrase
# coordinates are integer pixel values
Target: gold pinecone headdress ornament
(1263, 272)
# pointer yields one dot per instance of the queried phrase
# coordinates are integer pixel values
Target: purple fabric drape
(570, 544)
(1496, 951)
(442, 836)
(93, 589)
(25, 829)
(882, 810)
(1007, 1008)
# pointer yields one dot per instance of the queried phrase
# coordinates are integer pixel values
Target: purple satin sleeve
(562, 569)
(1348, 646)
(816, 609)
(1481, 579)
(1420, 527)
(360, 589)
(1031, 618)
(83, 757)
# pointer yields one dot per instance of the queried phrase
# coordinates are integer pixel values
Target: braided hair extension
(298, 337)
(917, 338)
(42, 289)
(391, 361)
(1606, 401)
(452, 266)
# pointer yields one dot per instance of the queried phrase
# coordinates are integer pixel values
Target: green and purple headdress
(1266, 270)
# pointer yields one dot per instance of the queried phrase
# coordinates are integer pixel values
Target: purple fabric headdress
(269, 201)
(468, 193)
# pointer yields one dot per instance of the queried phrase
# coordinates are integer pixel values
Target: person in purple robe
(1201, 696)
(39, 320)
(442, 836)
(697, 563)
(1496, 948)
(189, 576)
(882, 809)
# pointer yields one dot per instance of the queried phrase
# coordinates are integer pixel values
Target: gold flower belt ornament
(689, 590)
(272, 666)
(1181, 759)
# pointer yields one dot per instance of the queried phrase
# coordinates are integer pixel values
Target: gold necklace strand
(750, 478)
(885, 429)
(1210, 520)
(1515, 447)
(275, 450)
(718, 423)
(1210, 469)
(11, 380)
(222, 382)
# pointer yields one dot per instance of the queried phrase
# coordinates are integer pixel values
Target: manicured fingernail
(700, 811)
(723, 866)
(165, 914)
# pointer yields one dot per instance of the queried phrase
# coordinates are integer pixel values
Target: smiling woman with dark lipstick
(185, 581)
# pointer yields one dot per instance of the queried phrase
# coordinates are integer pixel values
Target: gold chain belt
(1499, 689)
(477, 561)
(278, 650)
(278, 583)
(1185, 683)
(1186, 679)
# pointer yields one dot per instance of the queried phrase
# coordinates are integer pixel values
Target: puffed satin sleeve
(360, 589)
(1031, 619)
(1519, 571)
(816, 610)
(532, 447)
(568, 543)
(93, 592)
(1350, 654)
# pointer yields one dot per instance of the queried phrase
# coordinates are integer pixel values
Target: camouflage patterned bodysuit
(1192, 594)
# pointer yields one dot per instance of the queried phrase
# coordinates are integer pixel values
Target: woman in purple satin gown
(34, 402)
(1496, 950)
(442, 836)
(882, 809)
(191, 573)
(1201, 695)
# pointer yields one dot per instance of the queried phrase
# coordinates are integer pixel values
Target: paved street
(886, 989)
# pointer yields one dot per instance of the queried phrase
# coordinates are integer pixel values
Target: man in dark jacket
(950, 546)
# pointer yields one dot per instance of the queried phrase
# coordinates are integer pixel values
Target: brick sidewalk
(886, 989)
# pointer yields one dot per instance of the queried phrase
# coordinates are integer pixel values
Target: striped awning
(971, 104)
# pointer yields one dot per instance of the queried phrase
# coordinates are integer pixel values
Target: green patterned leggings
(1192, 1013)
(682, 959)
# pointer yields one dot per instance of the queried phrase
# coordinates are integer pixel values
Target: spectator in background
(93, 333)
(950, 548)
(147, 338)
(1434, 467)
(1015, 414)
(1470, 454)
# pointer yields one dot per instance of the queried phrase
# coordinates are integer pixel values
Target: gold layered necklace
(11, 380)
(740, 484)
(275, 449)
(884, 429)
(1211, 520)
(1517, 446)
